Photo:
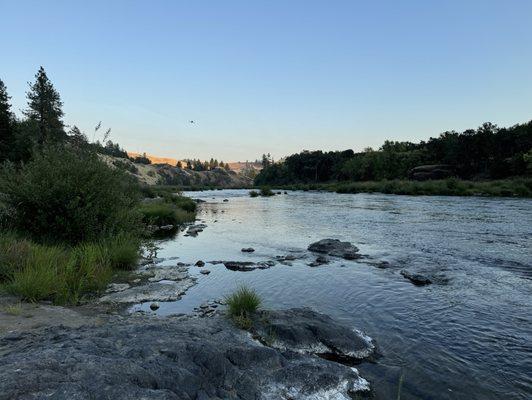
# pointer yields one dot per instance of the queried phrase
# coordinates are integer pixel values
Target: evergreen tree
(179, 165)
(6, 123)
(189, 164)
(44, 106)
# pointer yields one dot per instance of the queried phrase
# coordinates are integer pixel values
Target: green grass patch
(62, 274)
(242, 304)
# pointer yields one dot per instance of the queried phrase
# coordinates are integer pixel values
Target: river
(466, 336)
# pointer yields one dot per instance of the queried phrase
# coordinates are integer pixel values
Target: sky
(276, 76)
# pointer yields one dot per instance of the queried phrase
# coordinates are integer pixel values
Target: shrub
(254, 193)
(266, 191)
(67, 195)
(159, 213)
(242, 304)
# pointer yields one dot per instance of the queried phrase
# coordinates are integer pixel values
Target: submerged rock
(169, 358)
(305, 331)
(416, 279)
(205, 271)
(335, 248)
(248, 250)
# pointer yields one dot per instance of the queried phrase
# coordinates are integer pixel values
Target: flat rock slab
(335, 248)
(247, 265)
(305, 331)
(165, 359)
(153, 291)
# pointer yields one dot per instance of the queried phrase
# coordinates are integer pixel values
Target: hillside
(153, 174)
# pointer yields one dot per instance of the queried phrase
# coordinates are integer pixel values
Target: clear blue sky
(273, 76)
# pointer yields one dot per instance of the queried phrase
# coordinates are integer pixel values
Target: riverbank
(520, 187)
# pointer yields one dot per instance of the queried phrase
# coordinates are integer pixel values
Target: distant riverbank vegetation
(68, 219)
(478, 160)
(518, 187)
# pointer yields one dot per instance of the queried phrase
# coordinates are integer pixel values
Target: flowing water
(467, 336)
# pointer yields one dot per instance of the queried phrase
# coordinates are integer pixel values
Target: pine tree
(44, 106)
(6, 123)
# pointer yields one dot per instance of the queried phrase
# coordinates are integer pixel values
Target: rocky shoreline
(287, 354)
(186, 358)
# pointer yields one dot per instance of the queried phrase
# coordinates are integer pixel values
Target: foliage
(518, 187)
(488, 152)
(162, 213)
(242, 304)
(6, 123)
(143, 159)
(253, 193)
(266, 191)
(61, 273)
(64, 195)
(45, 107)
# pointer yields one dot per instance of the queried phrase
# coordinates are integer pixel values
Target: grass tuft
(242, 304)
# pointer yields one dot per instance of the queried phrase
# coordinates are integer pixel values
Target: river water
(466, 336)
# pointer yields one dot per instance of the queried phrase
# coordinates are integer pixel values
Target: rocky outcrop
(335, 248)
(305, 331)
(152, 174)
(180, 358)
(426, 172)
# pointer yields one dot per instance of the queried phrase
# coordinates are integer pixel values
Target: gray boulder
(335, 248)
(168, 359)
(303, 330)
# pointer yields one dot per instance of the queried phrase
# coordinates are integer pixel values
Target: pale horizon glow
(277, 76)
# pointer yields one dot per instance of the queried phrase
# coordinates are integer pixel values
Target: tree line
(42, 124)
(488, 152)
(198, 165)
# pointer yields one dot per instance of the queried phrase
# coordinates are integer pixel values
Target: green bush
(68, 196)
(266, 191)
(242, 304)
(160, 213)
(254, 193)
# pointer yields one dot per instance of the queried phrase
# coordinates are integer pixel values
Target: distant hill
(237, 166)
(164, 173)
(155, 159)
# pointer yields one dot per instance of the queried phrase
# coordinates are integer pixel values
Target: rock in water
(173, 358)
(305, 331)
(154, 306)
(335, 248)
(200, 263)
(248, 250)
(416, 279)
